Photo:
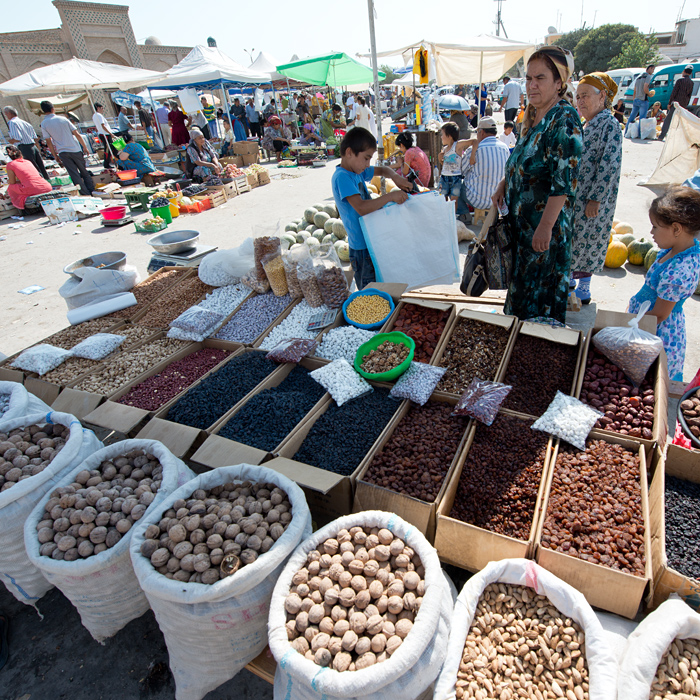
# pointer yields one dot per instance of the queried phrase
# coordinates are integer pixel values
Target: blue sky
(283, 28)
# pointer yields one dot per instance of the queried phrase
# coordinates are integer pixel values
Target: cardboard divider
(658, 370)
(420, 513)
(606, 588)
(329, 495)
(46, 391)
(682, 464)
(469, 546)
(125, 418)
(77, 403)
(217, 450)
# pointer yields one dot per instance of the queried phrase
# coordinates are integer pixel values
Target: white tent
(680, 157)
(208, 67)
(266, 63)
(77, 74)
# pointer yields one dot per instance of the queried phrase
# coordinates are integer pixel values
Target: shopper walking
(144, 118)
(253, 119)
(642, 93)
(67, 146)
(681, 93)
(23, 135)
(511, 99)
(105, 134)
(123, 123)
(162, 117)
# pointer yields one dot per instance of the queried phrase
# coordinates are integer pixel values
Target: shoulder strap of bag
(489, 221)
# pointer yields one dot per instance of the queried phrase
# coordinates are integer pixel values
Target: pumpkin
(623, 227)
(626, 238)
(615, 222)
(309, 214)
(339, 229)
(390, 186)
(372, 188)
(377, 182)
(320, 219)
(637, 250)
(343, 250)
(612, 233)
(616, 255)
(650, 257)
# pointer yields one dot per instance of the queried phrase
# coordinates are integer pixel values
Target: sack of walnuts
(36, 451)
(208, 558)
(78, 535)
(18, 402)
(362, 610)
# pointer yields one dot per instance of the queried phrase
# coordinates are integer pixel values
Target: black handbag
(474, 282)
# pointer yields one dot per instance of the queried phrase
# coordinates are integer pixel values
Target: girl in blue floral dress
(674, 276)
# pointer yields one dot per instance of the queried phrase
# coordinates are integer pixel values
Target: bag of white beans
(647, 646)
(213, 630)
(103, 586)
(18, 573)
(409, 671)
(20, 402)
(602, 666)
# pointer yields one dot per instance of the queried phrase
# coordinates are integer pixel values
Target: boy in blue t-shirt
(353, 200)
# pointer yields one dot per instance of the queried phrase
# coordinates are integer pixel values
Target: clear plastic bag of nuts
(292, 350)
(481, 400)
(262, 246)
(274, 269)
(290, 259)
(331, 278)
(308, 282)
(261, 285)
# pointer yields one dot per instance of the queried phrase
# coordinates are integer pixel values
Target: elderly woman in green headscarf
(599, 179)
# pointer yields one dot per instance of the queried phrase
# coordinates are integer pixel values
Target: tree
(598, 48)
(637, 51)
(390, 75)
(570, 40)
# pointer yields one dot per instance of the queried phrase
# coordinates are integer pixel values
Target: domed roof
(153, 41)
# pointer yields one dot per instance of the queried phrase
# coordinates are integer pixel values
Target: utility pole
(375, 71)
(499, 20)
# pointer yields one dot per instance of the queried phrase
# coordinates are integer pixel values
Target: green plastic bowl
(392, 374)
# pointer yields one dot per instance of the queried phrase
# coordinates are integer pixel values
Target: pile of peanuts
(129, 365)
(93, 513)
(355, 601)
(425, 325)
(71, 336)
(678, 674)
(174, 302)
(25, 452)
(385, 357)
(521, 646)
(146, 291)
(215, 532)
(367, 309)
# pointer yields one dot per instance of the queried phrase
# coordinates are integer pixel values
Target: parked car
(624, 77)
(662, 83)
(694, 104)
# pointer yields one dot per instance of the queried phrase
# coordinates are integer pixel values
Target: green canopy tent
(333, 69)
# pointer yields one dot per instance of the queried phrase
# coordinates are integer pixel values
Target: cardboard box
(232, 160)
(605, 588)
(77, 403)
(249, 159)
(683, 464)
(329, 495)
(469, 546)
(59, 210)
(242, 148)
(252, 180)
(263, 177)
(658, 372)
(417, 512)
(218, 451)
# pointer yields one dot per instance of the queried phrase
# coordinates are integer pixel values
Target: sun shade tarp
(334, 69)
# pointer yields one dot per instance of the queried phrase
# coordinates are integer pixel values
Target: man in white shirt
(162, 117)
(105, 133)
(511, 99)
(23, 135)
(363, 115)
(67, 146)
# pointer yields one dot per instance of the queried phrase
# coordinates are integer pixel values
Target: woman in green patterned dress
(539, 190)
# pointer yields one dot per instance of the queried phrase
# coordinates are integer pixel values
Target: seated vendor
(202, 162)
(331, 120)
(23, 178)
(135, 157)
(277, 137)
(309, 136)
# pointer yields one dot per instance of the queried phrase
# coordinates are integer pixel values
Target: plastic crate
(141, 228)
(194, 208)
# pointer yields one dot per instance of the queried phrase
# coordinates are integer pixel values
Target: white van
(624, 77)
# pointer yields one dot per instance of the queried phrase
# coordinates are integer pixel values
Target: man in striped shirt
(23, 135)
(483, 167)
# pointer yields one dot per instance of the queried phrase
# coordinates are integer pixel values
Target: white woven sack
(649, 642)
(103, 587)
(22, 403)
(409, 671)
(213, 631)
(602, 667)
(18, 573)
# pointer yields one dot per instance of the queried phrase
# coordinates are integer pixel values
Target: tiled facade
(88, 30)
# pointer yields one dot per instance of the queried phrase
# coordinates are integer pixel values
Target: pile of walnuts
(355, 601)
(214, 533)
(93, 513)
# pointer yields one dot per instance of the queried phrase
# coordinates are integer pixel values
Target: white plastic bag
(341, 381)
(18, 573)
(415, 242)
(213, 631)
(21, 402)
(409, 671)
(649, 642)
(647, 128)
(41, 358)
(630, 348)
(98, 346)
(88, 285)
(103, 587)
(227, 266)
(602, 667)
(632, 131)
(569, 419)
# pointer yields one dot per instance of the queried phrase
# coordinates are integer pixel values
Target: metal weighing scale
(187, 258)
(118, 222)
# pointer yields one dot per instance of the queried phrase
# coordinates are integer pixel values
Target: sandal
(4, 645)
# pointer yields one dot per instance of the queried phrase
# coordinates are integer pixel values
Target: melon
(328, 226)
(320, 219)
(291, 226)
(374, 196)
(313, 243)
(650, 257)
(334, 238)
(309, 214)
(297, 221)
(296, 246)
(330, 210)
(391, 186)
(637, 250)
(339, 229)
(302, 236)
(626, 238)
(311, 228)
(343, 250)
(319, 234)
(615, 222)
(616, 255)
(291, 239)
(319, 206)
(328, 239)
(372, 188)
(623, 227)
(377, 182)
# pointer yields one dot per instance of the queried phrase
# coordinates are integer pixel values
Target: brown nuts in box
(425, 325)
